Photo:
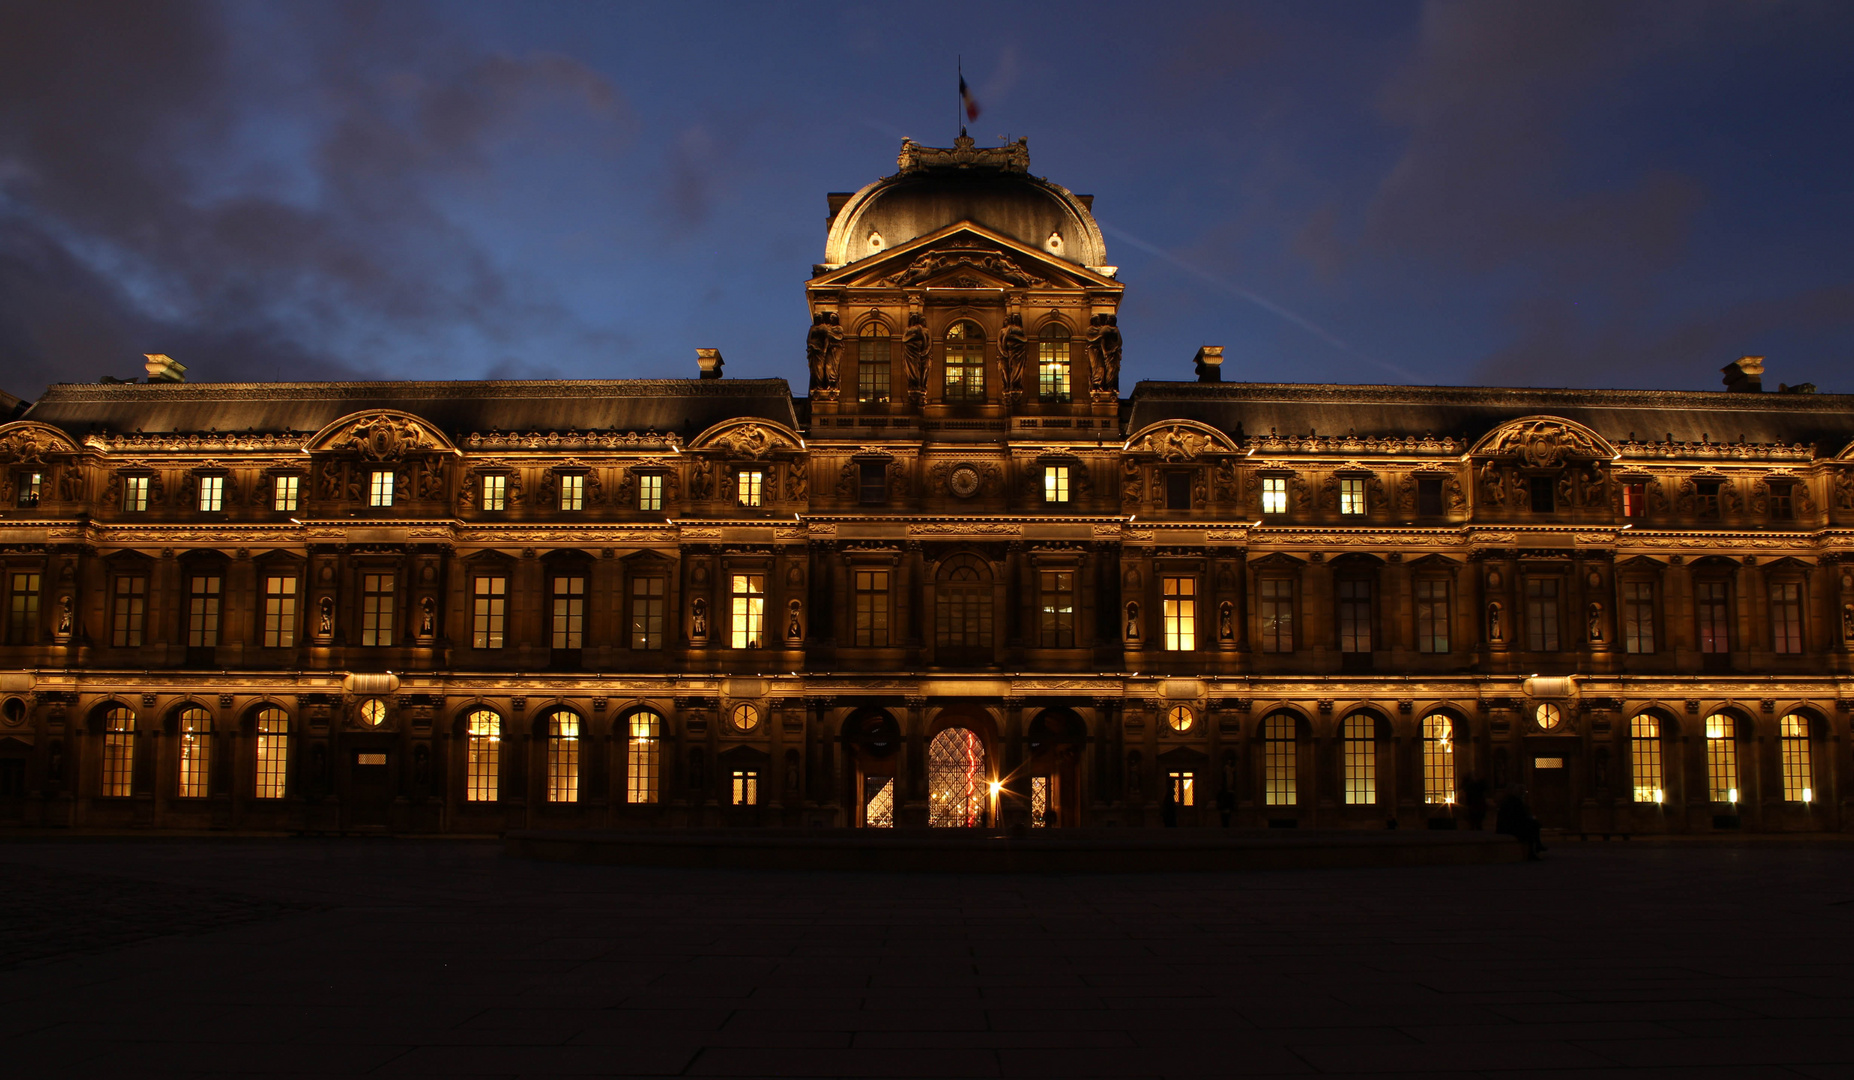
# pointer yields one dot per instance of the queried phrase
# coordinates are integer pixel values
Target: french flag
(966, 99)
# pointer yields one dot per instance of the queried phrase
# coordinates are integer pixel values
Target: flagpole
(959, 104)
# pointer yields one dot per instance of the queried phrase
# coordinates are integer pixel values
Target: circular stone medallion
(964, 482)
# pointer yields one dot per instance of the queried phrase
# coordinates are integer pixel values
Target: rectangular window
(195, 752)
(1645, 758)
(747, 606)
(1706, 499)
(495, 493)
(1638, 617)
(647, 612)
(1180, 595)
(1432, 615)
(1274, 494)
(872, 608)
(1635, 499)
(279, 611)
(488, 612)
(563, 758)
(1178, 491)
(284, 492)
(872, 370)
(212, 492)
(1280, 761)
(1352, 496)
(380, 488)
(1056, 596)
(746, 787)
(1052, 372)
(569, 612)
(1056, 483)
(1277, 609)
(1184, 787)
(1438, 759)
(1540, 490)
(131, 604)
(273, 754)
(135, 493)
(965, 372)
(650, 491)
(572, 491)
(22, 616)
(483, 757)
(1542, 614)
(641, 758)
(1429, 496)
(749, 486)
(32, 486)
(1722, 758)
(203, 611)
(1361, 761)
(1786, 617)
(1782, 502)
(376, 609)
(119, 754)
(1798, 773)
(1354, 615)
(872, 482)
(1709, 604)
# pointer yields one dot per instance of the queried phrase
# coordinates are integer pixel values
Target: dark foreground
(337, 958)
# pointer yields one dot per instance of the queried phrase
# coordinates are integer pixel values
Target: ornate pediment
(381, 435)
(964, 268)
(750, 439)
(963, 255)
(1180, 440)
(27, 443)
(1544, 442)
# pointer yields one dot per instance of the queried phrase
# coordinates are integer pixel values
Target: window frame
(750, 487)
(564, 728)
(381, 489)
(1544, 614)
(1178, 596)
(483, 755)
(1434, 614)
(1354, 616)
(285, 493)
(193, 753)
(647, 604)
(1712, 615)
(1055, 379)
(1639, 616)
(643, 756)
(493, 492)
(280, 608)
(211, 493)
(1274, 494)
(205, 606)
(1796, 756)
(1056, 485)
(1647, 759)
(964, 339)
(650, 491)
(1439, 759)
(489, 609)
(1055, 614)
(24, 605)
(137, 492)
(567, 610)
(1358, 737)
(379, 606)
(1353, 499)
(874, 339)
(1788, 625)
(746, 609)
(270, 773)
(1276, 614)
(128, 608)
(570, 490)
(871, 599)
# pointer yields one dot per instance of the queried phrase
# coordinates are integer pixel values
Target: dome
(940, 187)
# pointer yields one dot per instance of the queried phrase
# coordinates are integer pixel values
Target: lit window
(1184, 787)
(749, 486)
(284, 491)
(1645, 758)
(1352, 496)
(212, 492)
(1354, 615)
(1432, 615)
(1713, 612)
(1056, 484)
(1786, 617)
(569, 614)
(1179, 719)
(32, 485)
(1056, 599)
(376, 609)
(380, 488)
(1635, 499)
(1438, 759)
(131, 602)
(1722, 758)
(872, 355)
(495, 492)
(1281, 760)
(572, 491)
(746, 787)
(1277, 612)
(273, 753)
(1052, 365)
(1548, 716)
(279, 611)
(373, 714)
(1542, 614)
(1180, 595)
(743, 718)
(1638, 616)
(483, 756)
(965, 363)
(22, 617)
(202, 611)
(1042, 810)
(1798, 775)
(1361, 760)
(489, 612)
(195, 753)
(563, 756)
(1274, 494)
(647, 612)
(747, 596)
(641, 757)
(118, 753)
(135, 493)
(650, 491)
(872, 608)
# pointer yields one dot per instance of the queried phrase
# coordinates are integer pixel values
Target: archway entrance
(1050, 778)
(958, 788)
(872, 738)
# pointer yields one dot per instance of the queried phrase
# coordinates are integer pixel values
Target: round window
(744, 718)
(1549, 716)
(14, 710)
(373, 712)
(1179, 718)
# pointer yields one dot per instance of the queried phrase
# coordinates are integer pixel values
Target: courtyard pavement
(393, 958)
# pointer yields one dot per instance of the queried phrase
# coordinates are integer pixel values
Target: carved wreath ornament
(1544, 444)
(1173, 444)
(383, 438)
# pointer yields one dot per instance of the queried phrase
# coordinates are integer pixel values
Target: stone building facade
(962, 581)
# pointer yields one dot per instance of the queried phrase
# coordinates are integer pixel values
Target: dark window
(1635, 499)
(873, 486)
(1638, 616)
(1709, 603)
(872, 364)
(1706, 499)
(647, 612)
(1542, 614)
(1541, 489)
(1786, 617)
(872, 608)
(1354, 616)
(30, 485)
(1178, 491)
(130, 605)
(1058, 609)
(1277, 598)
(1432, 615)
(1782, 502)
(962, 615)
(1429, 496)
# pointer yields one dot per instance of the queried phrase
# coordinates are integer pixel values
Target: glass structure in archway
(956, 788)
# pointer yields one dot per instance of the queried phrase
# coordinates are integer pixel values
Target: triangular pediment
(964, 255)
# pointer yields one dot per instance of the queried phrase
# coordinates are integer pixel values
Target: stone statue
(1495, 633)
(1132, 620)
(1104, 350)
(698, 619)
(794, 630)
(428, 609)
(64, 614)
(326, 625)
(1226, 622)
(1847, 621)
(1012, 343)
(914, 349)
(1595, 620)
(824, 350)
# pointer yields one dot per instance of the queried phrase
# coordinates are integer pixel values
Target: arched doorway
(1054, 740)
(873, 739)
(958, 787)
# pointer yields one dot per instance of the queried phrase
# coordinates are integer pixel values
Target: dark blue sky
(1605, 194)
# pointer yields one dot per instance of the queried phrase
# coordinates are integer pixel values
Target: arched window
(1798, 776)
(1722, 758)
(195, 753)
(1438, 759)
(965, 363)
(119, 752)
(273, 753)
(641, 757)
(956, 782)
(1281, 759)
(1645, 758)
(563, 756)
(483, 757)
(1052, 365)
(872, 356)
(1361, 759)
(962, 604)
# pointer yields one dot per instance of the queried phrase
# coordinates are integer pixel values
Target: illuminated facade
(963, 581)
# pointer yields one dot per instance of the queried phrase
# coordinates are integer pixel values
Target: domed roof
(988, 186)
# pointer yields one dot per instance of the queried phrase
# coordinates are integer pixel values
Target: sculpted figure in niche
(1012, 343)
(824, 348)
(64, 614)
(1847, 621)
(1132, 620)
(1595, 620)
(1226, 622)
(1104, 351)
(914, 348)
(427, 624)
(1495, 632)
(698, 619)
(794, 630)
(325, 625)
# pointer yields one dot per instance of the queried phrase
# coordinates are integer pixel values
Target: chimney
(164, 368)
(1210, 363)
(1744, 375)
(709, 360)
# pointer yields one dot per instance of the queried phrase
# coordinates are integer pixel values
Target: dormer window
(1782, 502)
(1352, 496)
(572, 491)
(31, 484)
(650, 491)
(1056, 483)
(1706, 499)
(212, 493)
(1052, 365)
(135, 493)
(1539, 488)
(965, 363)
(495, 492)
(1429, 497)
(872, 356)
(750, 486)
(1274, 494)
(379, 488)
(285, 491)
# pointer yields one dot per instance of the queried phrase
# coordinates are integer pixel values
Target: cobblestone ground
(397, 958)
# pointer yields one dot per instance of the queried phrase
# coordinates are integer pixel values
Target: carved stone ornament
(964, 154)
(963, 482)
(751, 441)
(382, 438)
(1543, 444)
(1175, 442)
(939, 263)
(29, 444)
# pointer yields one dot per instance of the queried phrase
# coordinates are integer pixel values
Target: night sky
(1545, 194)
